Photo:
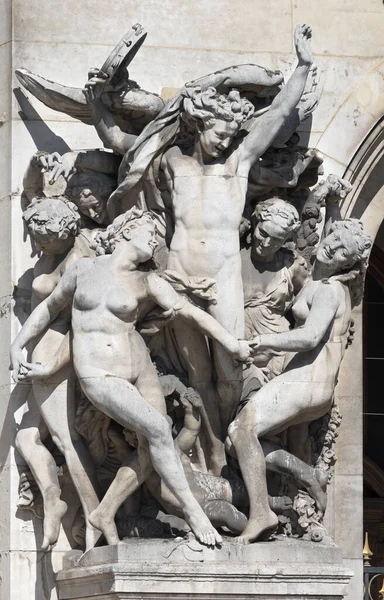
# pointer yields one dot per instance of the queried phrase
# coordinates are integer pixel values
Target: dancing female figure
(304, 391)
(112, 363)
(53, 224)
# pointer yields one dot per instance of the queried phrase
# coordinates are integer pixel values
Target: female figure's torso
(104, 314)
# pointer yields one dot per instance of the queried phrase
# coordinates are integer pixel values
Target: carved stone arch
(365, 172)
(357, 116)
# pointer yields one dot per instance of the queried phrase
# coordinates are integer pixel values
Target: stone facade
(61, 43)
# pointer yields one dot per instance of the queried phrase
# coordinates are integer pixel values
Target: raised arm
(164, 294)
(321, 315)
(336, 189)
(108, 131)
(84, 160)
(266, 127)
(42, 316)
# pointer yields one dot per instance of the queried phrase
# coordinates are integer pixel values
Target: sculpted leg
(243, 434)
(131, 475)
(224, 514)
(121, 401)
(229, 312)
(58, 406)
(312, 479)
(28, 441)
(194, 349)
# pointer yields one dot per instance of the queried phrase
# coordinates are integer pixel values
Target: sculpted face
(143, 239)
(93, 206)
(217, 136)
(337, 250)
(268, 238)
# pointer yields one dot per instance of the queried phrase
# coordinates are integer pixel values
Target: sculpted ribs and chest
(208, 203)
(190, 302)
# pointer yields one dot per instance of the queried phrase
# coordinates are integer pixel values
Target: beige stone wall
(60, 40)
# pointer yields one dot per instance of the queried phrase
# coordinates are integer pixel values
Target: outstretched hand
(303, 34)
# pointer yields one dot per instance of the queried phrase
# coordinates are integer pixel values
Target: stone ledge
(149, 569)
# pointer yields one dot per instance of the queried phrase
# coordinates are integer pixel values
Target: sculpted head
(217, 117)
(345, 245)
(274, 223)
(53, 223)
(344, 254)
(90, 192)
(136, 227)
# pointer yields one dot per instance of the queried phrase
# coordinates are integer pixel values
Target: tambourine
(124, 52)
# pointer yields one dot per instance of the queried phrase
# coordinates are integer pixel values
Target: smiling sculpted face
(338, 250)
(216, 117)
(217, 136)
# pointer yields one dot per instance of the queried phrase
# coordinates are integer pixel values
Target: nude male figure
(207, 186)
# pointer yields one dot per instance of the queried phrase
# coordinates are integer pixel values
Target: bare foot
(106, 524)
(54, 510)
(258, 529)
(318, 489)
(202, 527)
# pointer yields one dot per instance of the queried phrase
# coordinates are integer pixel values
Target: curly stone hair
(105, 241)
(52, 216)
(354, 276)
(209, 105)
(279, 211)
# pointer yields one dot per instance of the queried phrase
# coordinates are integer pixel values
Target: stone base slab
(185, 570)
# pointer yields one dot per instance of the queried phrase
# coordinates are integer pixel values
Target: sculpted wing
(132, 112)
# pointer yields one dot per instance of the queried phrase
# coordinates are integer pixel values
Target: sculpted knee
(25, 437)
(239, 429)
(61, 445)
(233, 431)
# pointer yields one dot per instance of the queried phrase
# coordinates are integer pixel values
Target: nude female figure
(304, 391)
(53, 224)
(112, 363)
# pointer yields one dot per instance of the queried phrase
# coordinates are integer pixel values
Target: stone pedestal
(183, 569)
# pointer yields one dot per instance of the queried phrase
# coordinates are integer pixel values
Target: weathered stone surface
(169, 569)
(190, 44)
